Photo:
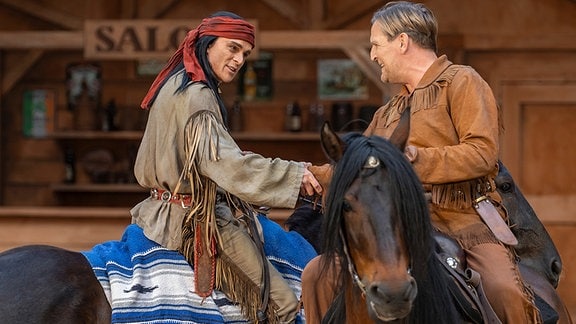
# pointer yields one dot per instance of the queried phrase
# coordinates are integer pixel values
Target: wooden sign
(139, 39)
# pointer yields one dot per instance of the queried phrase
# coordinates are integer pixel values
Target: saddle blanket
(146, 283)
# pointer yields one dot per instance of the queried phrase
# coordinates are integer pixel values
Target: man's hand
(411, 153)
(310, 185)
(323, 173)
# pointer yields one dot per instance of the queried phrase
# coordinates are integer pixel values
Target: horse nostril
(412, 290)
(556, 268)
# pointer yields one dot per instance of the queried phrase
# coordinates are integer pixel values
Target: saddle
(466, 286)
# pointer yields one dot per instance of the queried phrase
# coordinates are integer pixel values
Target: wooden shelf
(137, 135)
(97, 135)
(64, 212)
(98, 187)
(276, 136)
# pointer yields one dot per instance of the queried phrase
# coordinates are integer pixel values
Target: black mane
(433, 300)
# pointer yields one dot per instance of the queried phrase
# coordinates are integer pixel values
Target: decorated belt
(166, 196)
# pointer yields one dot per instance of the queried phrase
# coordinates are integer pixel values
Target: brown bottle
(294, 117)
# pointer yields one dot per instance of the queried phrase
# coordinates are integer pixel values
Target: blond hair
(414, 19)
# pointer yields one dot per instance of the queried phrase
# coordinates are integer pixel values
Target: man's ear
(404, 41)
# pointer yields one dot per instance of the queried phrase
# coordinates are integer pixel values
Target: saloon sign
(135, 39)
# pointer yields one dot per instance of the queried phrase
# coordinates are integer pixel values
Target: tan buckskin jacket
(455, 127)
(165, 151)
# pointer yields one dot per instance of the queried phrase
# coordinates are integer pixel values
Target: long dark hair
(201, 52)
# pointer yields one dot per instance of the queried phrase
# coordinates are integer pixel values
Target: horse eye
(346, 206)
(506, 187)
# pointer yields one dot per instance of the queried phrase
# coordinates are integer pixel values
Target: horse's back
(45, 284)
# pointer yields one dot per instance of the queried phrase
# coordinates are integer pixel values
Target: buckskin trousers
(238, 246)
(496, 263)
(510, 299)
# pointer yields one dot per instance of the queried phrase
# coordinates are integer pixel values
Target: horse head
(377, 225)
(535, 247)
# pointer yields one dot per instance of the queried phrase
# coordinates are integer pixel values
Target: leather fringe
(421, 98)
(474, 235)
(459, 195)
(239, 288)
(201, 216)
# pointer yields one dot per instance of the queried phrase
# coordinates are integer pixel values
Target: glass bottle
(69, 166)
(294, 117)
(315, 117)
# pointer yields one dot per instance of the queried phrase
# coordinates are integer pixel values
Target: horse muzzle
(390, 302)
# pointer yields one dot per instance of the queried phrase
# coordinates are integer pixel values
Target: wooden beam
(155, 9)
(128, 9)
(316, 14)
(371, 70)
(314, 39)
(42, 40)
(41, 11)
(520, 42)
(287, 10)
(297, 39)
(16, 71)
(351, 13)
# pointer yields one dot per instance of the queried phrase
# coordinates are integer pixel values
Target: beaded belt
(166, 196)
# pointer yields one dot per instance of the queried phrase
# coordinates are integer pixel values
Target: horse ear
(332, 144)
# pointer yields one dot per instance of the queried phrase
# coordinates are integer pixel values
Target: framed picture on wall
(83, 79)
(38, 112)
(341, 79)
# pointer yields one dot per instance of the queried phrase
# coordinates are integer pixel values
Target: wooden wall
(525, 50)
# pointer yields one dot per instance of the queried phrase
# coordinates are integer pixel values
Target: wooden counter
(75, 228)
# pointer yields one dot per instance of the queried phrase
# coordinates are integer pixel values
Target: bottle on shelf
(341, 116)
(69, 166)
(250, 82)
(109, 118)
(293, 122)
(316, 117)
(236, 117)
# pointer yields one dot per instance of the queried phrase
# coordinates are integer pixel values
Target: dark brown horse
(534, 243)
(44, 284)
(377, 226)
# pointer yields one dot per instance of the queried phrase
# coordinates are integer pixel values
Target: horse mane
(433, 300)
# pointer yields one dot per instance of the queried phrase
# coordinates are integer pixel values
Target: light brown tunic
(162, 156)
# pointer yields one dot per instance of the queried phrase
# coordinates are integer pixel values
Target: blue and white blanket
(146, 283)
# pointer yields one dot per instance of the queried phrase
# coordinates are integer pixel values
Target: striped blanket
(146, 283)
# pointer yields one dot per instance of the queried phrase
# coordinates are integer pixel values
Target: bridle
(371, 163)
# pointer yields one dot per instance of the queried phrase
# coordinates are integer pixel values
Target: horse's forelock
(405, 187)
(409, 202)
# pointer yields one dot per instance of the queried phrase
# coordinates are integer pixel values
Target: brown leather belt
(166, 196)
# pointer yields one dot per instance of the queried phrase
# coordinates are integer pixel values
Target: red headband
(216, 26)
